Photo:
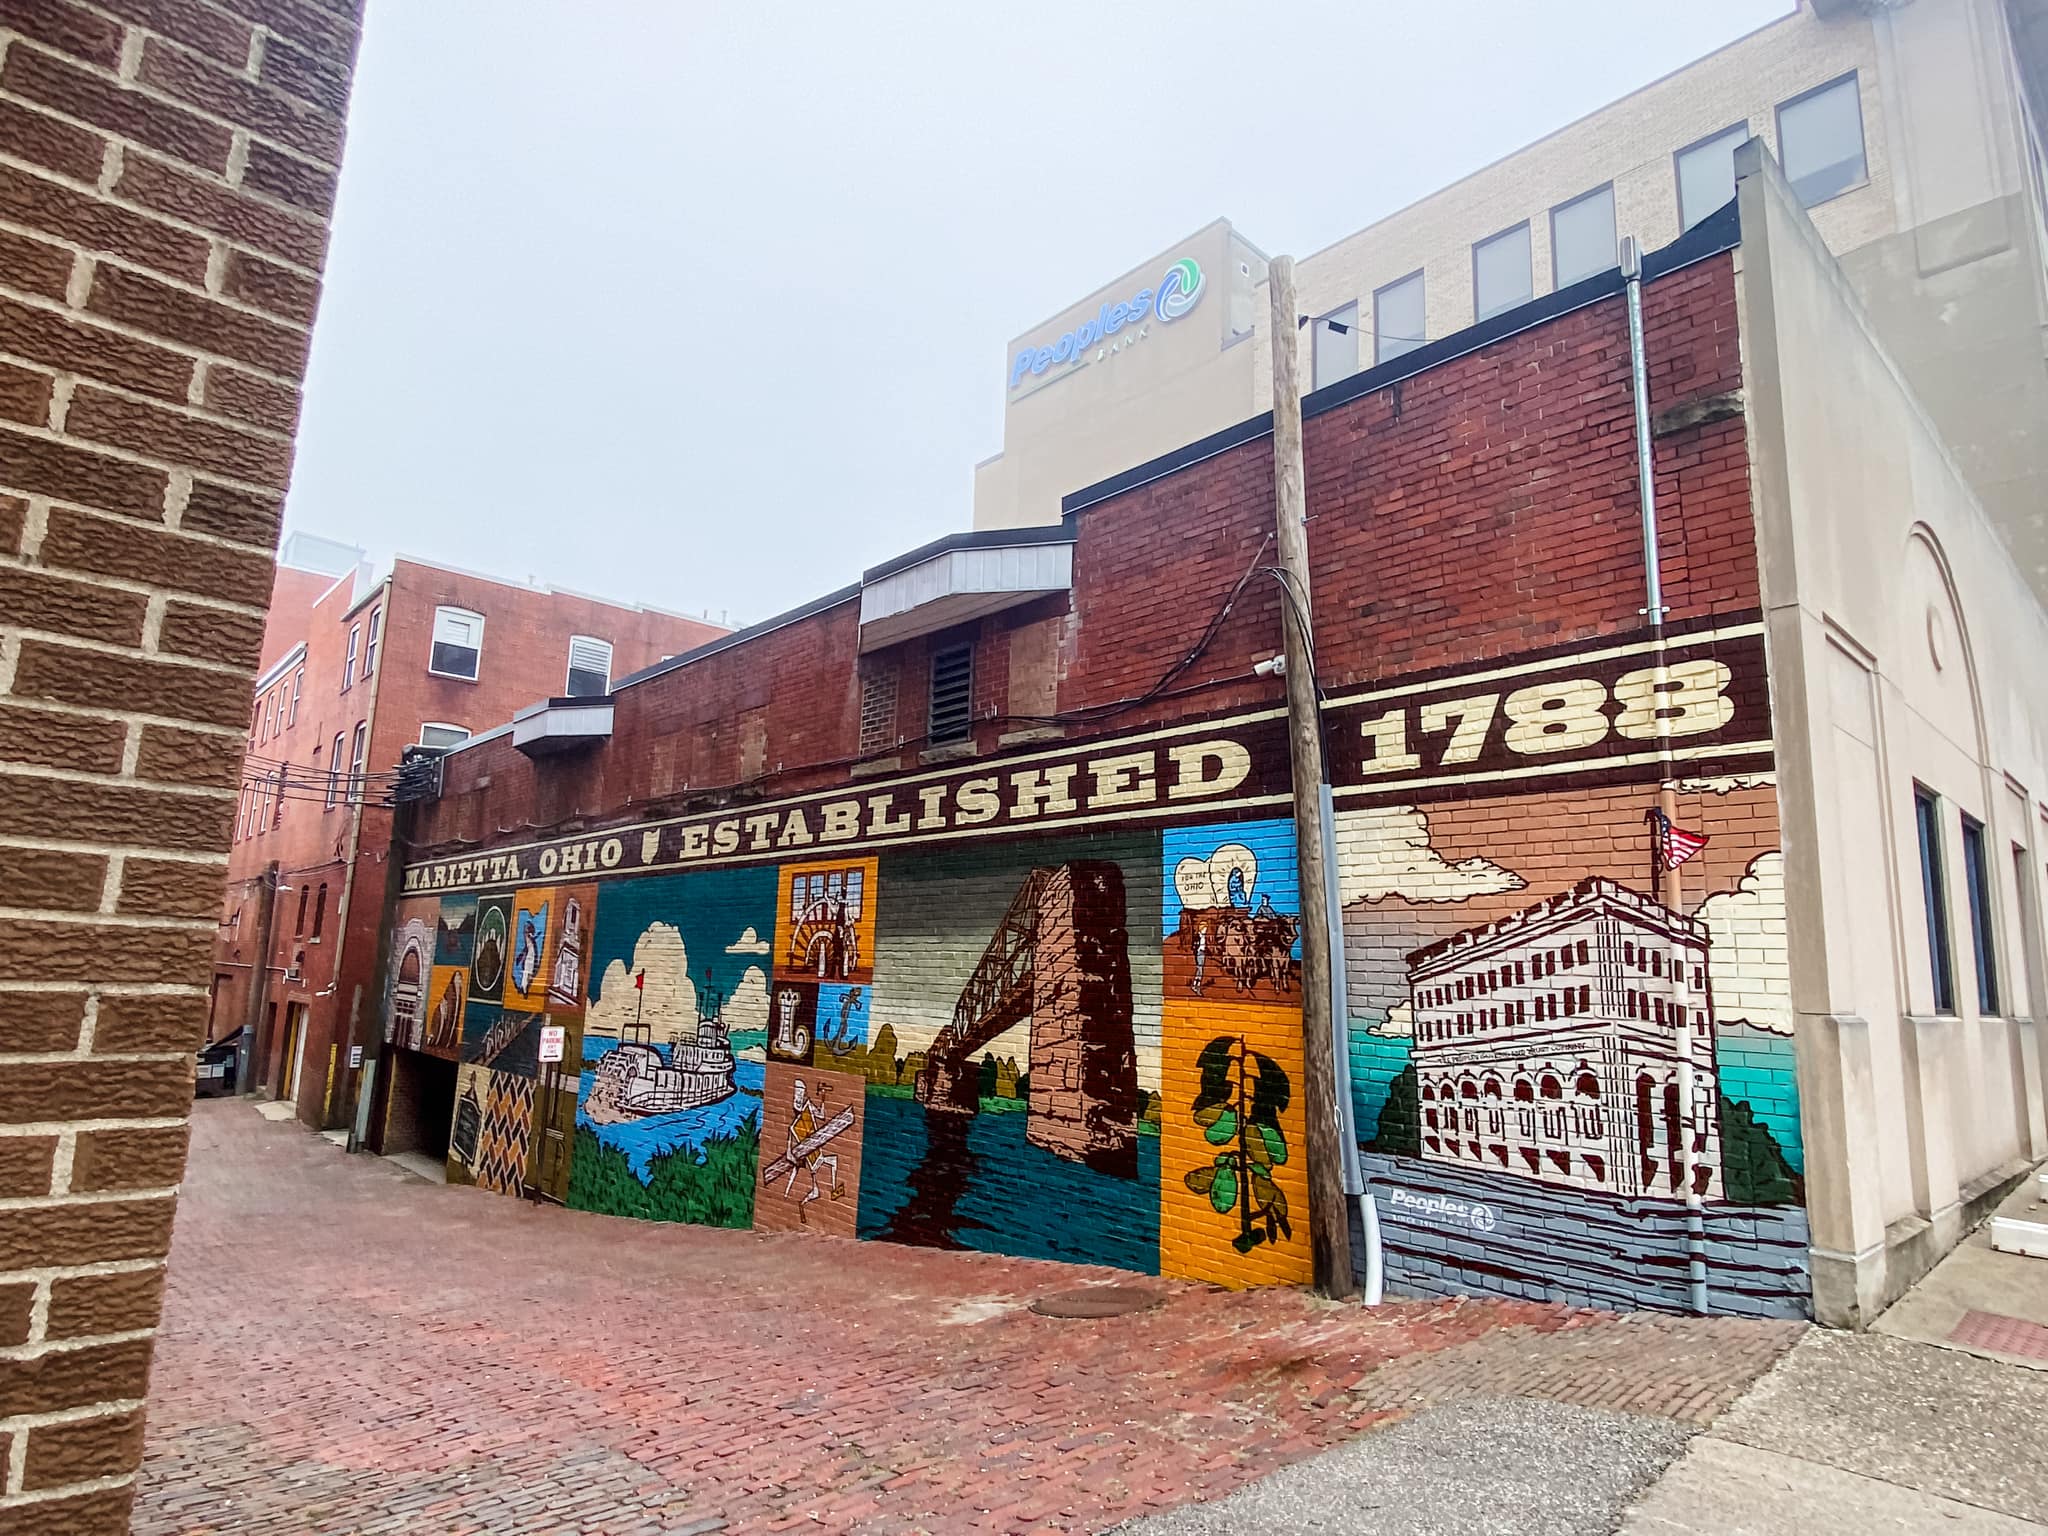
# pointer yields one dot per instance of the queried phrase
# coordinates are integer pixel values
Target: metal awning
(562, 725)
(959, 579)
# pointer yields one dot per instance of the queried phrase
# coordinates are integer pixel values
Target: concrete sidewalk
(1854, 1435)
(1935, 1420)
(1916, 1426)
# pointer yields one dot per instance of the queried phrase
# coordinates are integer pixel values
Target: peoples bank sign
(1178, 291)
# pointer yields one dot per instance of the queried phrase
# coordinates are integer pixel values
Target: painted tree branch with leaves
(1242, 1097)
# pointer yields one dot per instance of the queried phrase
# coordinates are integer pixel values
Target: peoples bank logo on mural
(1179, 290)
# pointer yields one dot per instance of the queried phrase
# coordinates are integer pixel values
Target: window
(952, 695)
(319, 911)
(1934, 892)
(305, 894)
(2030, 924)
(1336, 345)
(1820, 141)
(436, 733)
(298, 687)
(334, 772)
(458, 643)
(269, 716)
(359, 751)
(1501, 269)
(376, 634)
(242, 814)
(1977, 882)
(1398, 322)
(1706, 174)
(1582, 239)
(348, 667)
(590, 667)
(877, 707)
(277, 810)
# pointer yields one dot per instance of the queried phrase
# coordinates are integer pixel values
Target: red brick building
(170, 172)
(960, 907)
(988, 860)
(362, 671)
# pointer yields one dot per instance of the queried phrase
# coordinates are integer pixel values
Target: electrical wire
(1089, 714)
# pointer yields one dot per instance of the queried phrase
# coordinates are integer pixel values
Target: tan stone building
(1908, 128)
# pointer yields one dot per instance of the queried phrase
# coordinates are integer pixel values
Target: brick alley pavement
(348, 1349)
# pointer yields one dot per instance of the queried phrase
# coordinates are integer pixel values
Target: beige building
(1908, 129)
(1139, 367)
(1911, 715)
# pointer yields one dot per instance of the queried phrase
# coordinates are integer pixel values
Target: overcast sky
(705, 305)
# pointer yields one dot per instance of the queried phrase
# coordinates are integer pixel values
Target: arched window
(1587, 1086)
(1525, 1092)
(1468, 1089)
(320, 910)
(1491, 1088)
(1550, 1087)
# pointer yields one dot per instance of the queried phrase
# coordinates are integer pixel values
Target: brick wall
(167, 170)
(525, 653)
(1485, 507)
(1492, 695)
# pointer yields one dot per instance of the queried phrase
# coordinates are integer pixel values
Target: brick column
(167, 169)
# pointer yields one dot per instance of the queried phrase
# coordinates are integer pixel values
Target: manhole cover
(1096, 1301)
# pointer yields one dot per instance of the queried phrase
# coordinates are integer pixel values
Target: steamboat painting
(669, 1107)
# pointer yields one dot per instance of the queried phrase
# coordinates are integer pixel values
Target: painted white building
(1572, 1043)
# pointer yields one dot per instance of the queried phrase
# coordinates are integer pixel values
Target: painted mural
(1572, 1077)
(1551, 1067)
(513, 1121)
(674, 1049)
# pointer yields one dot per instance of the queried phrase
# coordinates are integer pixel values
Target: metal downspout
(1667, 794)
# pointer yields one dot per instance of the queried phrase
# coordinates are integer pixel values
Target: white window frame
(1853, 83)
(1528, 234)
(443, 725)
(1323, 341)
(358, 759)
(334, 771)
(1678, 161)
(450, 610)
(298, 687)
(609, 654)
(348, 667)
(1380, 354)
(376, 634)
(1605, 189)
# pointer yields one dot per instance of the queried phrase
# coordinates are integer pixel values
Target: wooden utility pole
(256, 1011)
(1329, 1217)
